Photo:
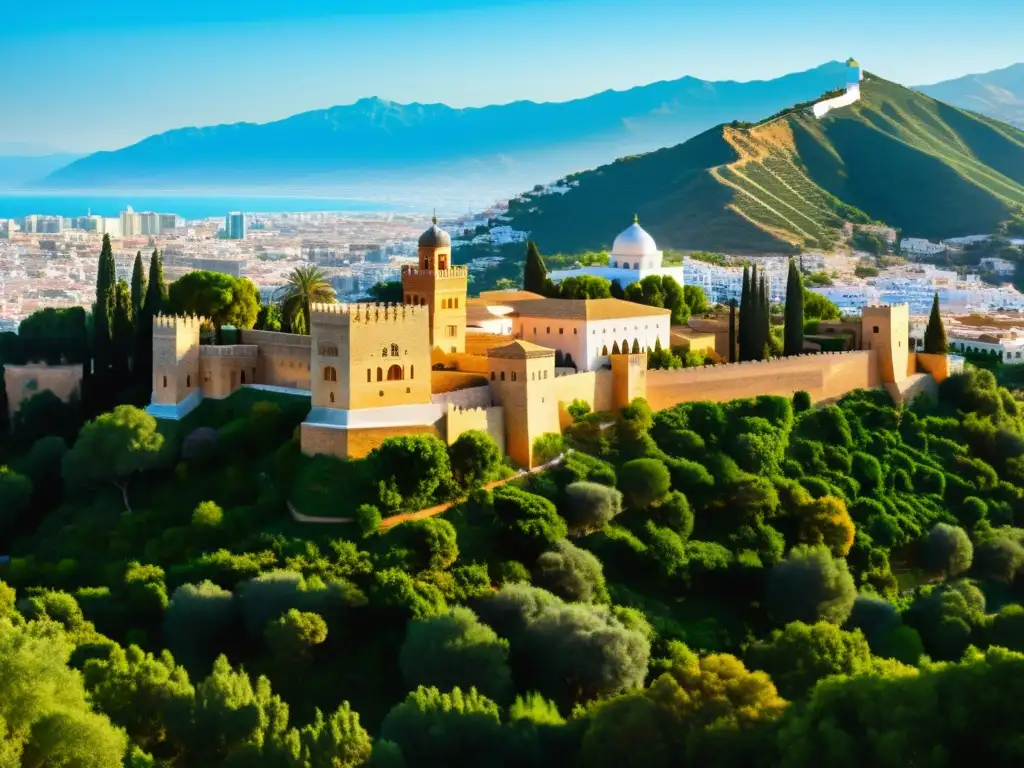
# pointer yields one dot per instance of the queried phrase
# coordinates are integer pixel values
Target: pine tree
(794, 328)
(732, 331)
(765, 317)
(746, 314)
(935, 342)
(535, 274)
(138, 287)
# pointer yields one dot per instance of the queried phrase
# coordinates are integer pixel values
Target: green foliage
(644, 482)
(578, 409)
(662, 292)
(454, 650)
(935, 342)
(535, 274)
(368, 519)
(590, 506)
(947, 550)
(800, 655)
(15, 496)
(548, 447)
(411, 471)
(571, 573)
(810, 585)
(794, 328)
(585, 287)
(220, 298)
(475, 459)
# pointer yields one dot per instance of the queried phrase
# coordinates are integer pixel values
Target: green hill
(791, 181)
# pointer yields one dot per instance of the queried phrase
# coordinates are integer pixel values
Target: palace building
(509, 363)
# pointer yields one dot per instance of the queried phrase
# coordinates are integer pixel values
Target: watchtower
(629, 378)
(886, 331)
(369, 355)
(523, 382)
(439, 286)
(176, 361)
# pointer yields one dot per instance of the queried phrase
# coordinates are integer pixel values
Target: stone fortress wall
(283, 359)
(23, 381)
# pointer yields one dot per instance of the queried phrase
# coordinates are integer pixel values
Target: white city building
(633, 257)
(918, 247)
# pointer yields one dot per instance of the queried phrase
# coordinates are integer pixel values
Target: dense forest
(759, 582)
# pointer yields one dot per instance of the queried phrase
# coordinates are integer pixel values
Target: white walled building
(633, 257)
(591, 330)
(918, 247)
(130, 223)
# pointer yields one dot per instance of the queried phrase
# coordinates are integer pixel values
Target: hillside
(897, 156)
(998, 94)
(344, 143)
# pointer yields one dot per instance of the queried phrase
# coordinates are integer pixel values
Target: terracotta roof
(519, 350)
(587, 309)
(505, 297)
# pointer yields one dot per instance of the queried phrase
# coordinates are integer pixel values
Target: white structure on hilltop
(854, 75)
(633, 257)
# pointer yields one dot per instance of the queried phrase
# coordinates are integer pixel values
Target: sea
(19, 205)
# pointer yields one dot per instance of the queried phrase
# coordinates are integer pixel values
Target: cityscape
(512, 384)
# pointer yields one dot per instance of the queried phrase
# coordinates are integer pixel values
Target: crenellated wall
(824, 376)
(224, 369)
(471, 397)
(490, 419)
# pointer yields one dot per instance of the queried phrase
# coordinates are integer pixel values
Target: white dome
(634, 243)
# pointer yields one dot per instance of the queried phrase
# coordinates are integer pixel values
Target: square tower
(886, 331)
(439, 286)
(369, 355)
(523, 382)
(175, 359)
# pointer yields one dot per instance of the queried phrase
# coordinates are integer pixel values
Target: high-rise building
(149, 223)
(130, 223)
(234, 225)
(50, 225)
(168, 221)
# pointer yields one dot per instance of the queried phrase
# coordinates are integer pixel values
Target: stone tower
(629, 378)
(176, 386)
(441, 287)
(369, 355)
(886, 331)
(523, 383)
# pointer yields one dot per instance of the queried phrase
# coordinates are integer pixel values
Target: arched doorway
(395, 373)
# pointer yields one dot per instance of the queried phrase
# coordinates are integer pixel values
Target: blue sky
(82, 76)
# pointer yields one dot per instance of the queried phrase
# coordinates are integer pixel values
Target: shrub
(644, 482)
(368, 519)
(571, 573)
(590, 506)
(947, 550)
(475, 459)
(810, 585)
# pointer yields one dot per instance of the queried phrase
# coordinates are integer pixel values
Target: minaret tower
(441, 287)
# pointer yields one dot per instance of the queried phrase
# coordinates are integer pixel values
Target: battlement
(436, 273)
(777, 362)
(169, 325)
(884, 309)
(633, 358)
(231, 350)
(366, 314)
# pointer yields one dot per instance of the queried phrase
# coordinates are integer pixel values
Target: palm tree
(305, 286)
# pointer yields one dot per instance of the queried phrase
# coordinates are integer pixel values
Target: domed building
(634, 256)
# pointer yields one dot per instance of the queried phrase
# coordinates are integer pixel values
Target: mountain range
(390, 144)
(790, 182)
(998, 94)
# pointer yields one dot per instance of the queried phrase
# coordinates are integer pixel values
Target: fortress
(375, 371)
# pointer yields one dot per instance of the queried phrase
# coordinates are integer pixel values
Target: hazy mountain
(791, 181)
(998, 94)
(385, 143)
(17, 170)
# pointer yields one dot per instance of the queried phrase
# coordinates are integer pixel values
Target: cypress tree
(754, 345)
(122, 333)
(156, 300)
(103, 309)
(765, 337)
(138, 287)
(746, 313)
(794, 328)
(732, 331)
(535, 274)
(935, 342)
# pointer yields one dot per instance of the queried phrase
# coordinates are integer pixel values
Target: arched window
(412, 371)
(636, 265)
(408, 299)
(615, 347)
(165, 378)
(243, 377)
(394, 350)
(492, 375)
(442, 262)
(625, 347)
(384, 352)
(604, 351)
(188, 381)
(332, 397)
(502, 375)
(456, 303)
(636, 347)
(513, 375)
(395, 373)
(330, 373)
(380, 374)
(369, 375)
(329, 350)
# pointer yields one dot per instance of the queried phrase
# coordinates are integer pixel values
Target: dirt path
(391, 522)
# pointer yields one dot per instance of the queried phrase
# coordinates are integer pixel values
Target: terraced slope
(898, 156)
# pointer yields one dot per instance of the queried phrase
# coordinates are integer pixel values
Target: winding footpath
(392, 521)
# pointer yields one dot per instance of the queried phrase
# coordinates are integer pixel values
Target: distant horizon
(204, 64)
